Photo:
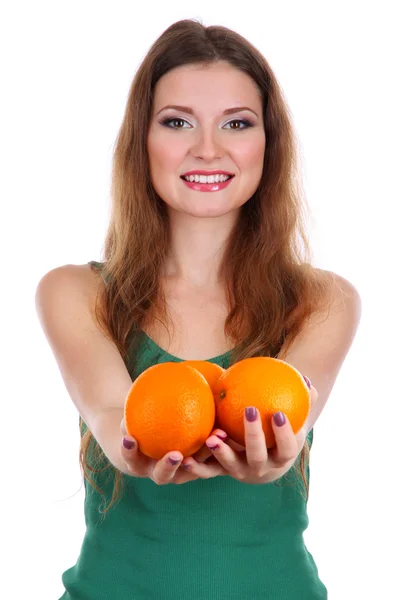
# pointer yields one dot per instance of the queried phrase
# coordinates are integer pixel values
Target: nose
(207, 146)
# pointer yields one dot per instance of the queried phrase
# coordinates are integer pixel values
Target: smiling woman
(179, 134)
(198, 270)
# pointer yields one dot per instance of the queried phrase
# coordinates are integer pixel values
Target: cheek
(254, 152)
(164, 158)
(250, 156)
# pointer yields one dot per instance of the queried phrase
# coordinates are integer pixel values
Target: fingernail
(222, 436)
(308, 382)
(251, 414)
(279, 419)
(128, 444)
(213, 447)
(173, 461)
(186, 467)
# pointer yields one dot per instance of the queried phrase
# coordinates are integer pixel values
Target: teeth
(206, 178)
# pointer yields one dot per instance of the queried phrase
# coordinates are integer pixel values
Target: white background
(66, 71)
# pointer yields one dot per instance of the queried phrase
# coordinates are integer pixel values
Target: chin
(208, 211)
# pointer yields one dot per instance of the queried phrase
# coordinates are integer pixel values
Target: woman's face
(202, 137)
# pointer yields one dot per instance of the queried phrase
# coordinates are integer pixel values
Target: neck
(196, 248)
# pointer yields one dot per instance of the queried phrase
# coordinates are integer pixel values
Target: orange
(210, 370)
(269, 384)
(170, 406)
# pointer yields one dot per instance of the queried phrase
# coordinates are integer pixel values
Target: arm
(95, 374)
(91, 366)
(106, 429)
(317, 352)
(321, 348)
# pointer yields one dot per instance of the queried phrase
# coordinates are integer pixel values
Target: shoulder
(84, 274)
(81, 281)
(333, 325)
(338, 295)
(342, 293)
(335, 318)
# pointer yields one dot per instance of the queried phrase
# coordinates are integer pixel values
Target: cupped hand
(167, 469)
(254, 463)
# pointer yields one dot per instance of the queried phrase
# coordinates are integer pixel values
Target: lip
(200, 172)
(207, 187)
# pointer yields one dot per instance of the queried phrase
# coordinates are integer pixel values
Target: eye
(168, 120)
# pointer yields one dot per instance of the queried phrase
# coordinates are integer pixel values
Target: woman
(197, 268)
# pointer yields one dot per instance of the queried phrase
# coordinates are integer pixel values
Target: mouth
(207, 187)
(228, 178)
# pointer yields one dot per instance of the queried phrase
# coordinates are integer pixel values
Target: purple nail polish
(279, 419)
(128, 444)
(213, 447)
(251, 414)
(222, 437)
(186, 467)
(173, 461)
(308, 382)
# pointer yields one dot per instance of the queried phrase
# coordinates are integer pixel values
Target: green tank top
(216, 539)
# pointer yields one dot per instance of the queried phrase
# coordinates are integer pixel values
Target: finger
(204, 452)
(234, 464)
(165, 469)
(313, 391)
(123, 427)
(313, 396)
(286, 441)
(137, 463)
(235, 445)
(181, 477)
(256, 446)
(202, 470)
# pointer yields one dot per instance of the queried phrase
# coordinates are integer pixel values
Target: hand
(163, 471)
(254, 463)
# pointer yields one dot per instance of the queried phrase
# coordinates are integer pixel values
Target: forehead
(213, 87)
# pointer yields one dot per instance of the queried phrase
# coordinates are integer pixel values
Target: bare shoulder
(79, 273)
(342, 292)
(80, 280)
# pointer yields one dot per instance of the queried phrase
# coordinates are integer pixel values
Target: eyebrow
(190, 111)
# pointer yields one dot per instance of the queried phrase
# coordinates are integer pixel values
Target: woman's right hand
(167, 470)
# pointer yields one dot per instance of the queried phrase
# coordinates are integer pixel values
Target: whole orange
(210, 370)
(169, 406)
(269, 384)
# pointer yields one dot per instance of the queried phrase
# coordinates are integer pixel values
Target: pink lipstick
(207, 187)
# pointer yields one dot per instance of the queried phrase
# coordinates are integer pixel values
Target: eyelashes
(165, 122)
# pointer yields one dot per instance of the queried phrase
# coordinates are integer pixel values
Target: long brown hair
(271, 284)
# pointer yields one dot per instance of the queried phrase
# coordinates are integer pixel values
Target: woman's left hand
(254, 463)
